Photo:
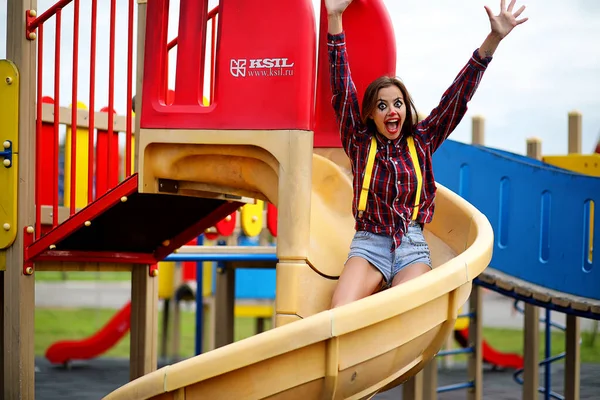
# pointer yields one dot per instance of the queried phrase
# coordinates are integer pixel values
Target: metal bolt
(52, 246)
(123, 199)
(32, 36)
(6, 226)
(6, 144)
(6, 162)
(29, 270)
(9, 80)
(166, 243)
(32, 13)
(87, 223)
(155, 272)
(30, 229)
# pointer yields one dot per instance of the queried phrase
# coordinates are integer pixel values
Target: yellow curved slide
(351, 352)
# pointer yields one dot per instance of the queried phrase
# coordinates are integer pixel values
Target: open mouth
(392, 125)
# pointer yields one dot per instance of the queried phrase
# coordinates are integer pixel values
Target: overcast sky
(545, 68)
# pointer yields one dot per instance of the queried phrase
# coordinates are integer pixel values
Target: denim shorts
(375, 248)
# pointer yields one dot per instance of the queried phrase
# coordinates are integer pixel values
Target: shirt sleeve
(345, 99)
(443, 119)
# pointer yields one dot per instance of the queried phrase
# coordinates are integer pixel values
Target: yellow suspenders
(364, 192)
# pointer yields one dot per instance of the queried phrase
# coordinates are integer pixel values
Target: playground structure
(69, 243)
(264, 153)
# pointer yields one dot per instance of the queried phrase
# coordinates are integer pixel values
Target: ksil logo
(261, 67)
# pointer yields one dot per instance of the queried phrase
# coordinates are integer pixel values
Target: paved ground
(96, 378)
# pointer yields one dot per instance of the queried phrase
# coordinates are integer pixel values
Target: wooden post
(531, 344)
(430, 380)
(478, 130)
(144, 322)
(575, 122)
(413, 388)
(531, 324)
(19, 289)
(224, 305)
(475, 368)
(573, 359)
(534, 148)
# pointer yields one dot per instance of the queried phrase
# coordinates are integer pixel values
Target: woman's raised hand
(336, 7)
(504, 22)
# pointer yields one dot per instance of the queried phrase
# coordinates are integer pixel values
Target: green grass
(59, 324)
(53, 276)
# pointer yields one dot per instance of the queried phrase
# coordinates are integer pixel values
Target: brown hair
(369, 103)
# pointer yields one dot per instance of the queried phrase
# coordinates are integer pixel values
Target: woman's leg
(410, 272)
(359, 279)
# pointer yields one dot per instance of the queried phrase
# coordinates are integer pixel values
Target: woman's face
(390, 112)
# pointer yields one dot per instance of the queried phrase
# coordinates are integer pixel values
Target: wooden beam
(83, 118)
(84, 267)
(19, 289)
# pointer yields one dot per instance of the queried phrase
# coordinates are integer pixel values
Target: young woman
(388, 247)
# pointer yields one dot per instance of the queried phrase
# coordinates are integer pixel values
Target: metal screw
(6, 162)
(30, 229)
(9, 80)
(29, 270)
(32, 13)
(32, 36)
(6, 144)
(6, 226)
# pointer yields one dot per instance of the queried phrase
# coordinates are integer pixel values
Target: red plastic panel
(371, 48)
(226, 226)
(265, 66)
(47, 159)
(272, 219)
(104, 181)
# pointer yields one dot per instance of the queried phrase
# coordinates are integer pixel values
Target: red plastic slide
(67, 350)
(490, 355)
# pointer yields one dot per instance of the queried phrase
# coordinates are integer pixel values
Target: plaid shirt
(393, 183)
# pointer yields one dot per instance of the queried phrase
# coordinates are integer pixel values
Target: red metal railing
(102, 147)
(50, 170)
(212, 19)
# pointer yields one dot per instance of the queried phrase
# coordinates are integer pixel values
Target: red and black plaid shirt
(393, 183)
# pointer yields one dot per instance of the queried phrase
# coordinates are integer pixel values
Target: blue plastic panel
(539, 213)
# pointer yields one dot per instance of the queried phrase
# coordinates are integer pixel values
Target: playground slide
(351, 352)
(490, 355)
(66, 350)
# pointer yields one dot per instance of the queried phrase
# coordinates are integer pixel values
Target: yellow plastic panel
(2, 260)
(81, 164)
(166, 279)
(252, 218)
(588, 164)
(9, 132)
